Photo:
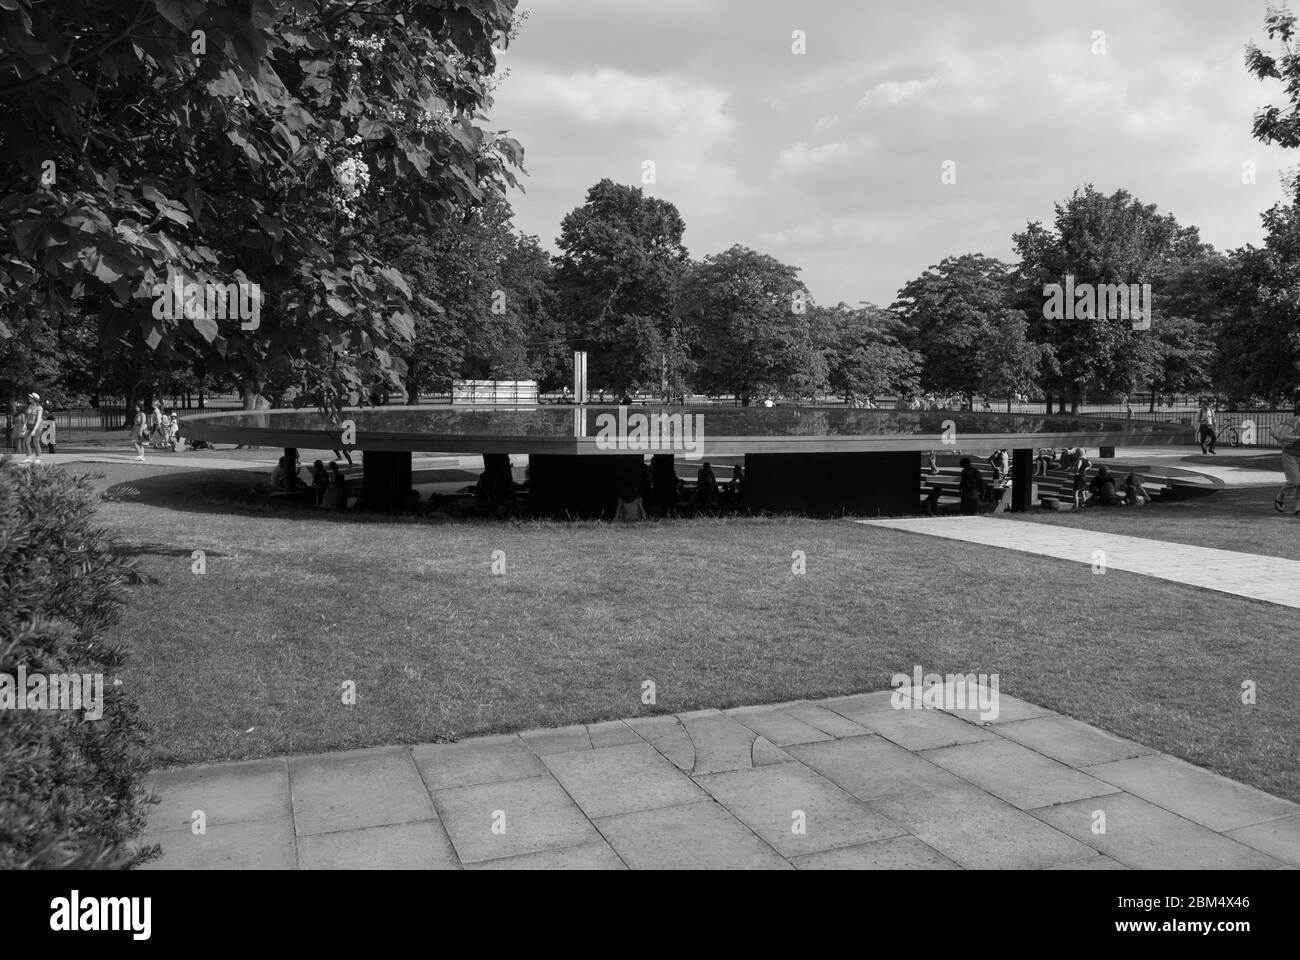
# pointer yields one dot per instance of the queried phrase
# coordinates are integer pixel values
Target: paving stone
(980, 832)
(612, 733)
(1189, 791)
(615, 780)
(921, 729)
(898, 853)
(828, 721)
(859, 703)
(720, 743)
(1006, 708)
(695, 836)
(583, 856)
(870, 767)
(1277, 838)
(251, 845)
(538, 815)
(1143, 836)
(558, 740)
(226, 793)
(781, 728)
(400, 846)
(1070, 741)
(766, 752)
(1016, 774)
(1098, 862)
(667, 736)
(366, 788)
(480, 760)
(766, 799)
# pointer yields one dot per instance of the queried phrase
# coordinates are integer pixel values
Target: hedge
(70, 787)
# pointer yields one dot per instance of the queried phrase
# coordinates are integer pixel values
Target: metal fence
(1249, 428)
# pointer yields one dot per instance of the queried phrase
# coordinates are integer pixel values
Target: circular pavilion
(820, 461)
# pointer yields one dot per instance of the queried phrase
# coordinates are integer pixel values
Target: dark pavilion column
(578, 486)
(386, 480)
(834, 484)
(290, 475)
(1022, 480)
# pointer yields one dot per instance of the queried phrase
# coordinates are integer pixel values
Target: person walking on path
(1288, 434)
(29, 437)
(138, 431)
(1206, 431)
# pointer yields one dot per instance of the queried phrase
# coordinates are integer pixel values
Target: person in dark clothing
(706, 488)
(1102, 489)
(969, 488)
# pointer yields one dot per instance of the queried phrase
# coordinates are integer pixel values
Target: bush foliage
(70, 787)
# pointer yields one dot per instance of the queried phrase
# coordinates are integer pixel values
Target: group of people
(156, 427)
(663, 489)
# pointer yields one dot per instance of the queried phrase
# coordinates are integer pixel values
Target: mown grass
(250, 658)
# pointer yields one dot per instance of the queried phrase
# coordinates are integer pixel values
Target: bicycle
(1229, 433)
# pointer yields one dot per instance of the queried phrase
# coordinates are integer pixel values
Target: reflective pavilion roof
(717, 430)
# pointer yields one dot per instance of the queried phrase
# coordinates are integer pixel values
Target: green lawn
(248, 659)
(1234, 519)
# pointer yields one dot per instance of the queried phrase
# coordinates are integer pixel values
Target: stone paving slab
(366, 788)
(1071, 742)
(227, 793)
(977, 831)
(795, 810)
(1016, 774)
(898, 853)
(1143, 836)
(693, 836)
(1257, 577)
(1199, 795)
(856, 784)
(597, 855)
(481, 760)
(617, 780)
(510, 818)
(422, 845)
(258, 845)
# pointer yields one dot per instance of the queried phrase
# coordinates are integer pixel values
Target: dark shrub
(70, 793)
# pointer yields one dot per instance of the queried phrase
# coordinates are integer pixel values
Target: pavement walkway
(848, 782)
(1271, 579)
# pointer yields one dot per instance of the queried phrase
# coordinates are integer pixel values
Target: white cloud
(801, 157)
(890, 93)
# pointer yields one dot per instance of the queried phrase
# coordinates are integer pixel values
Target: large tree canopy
(253, 141)
(749, 317)
(1098, 240)
(617, 278)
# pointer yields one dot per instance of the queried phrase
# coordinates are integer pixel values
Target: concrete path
(849, 782)
(1271, 579)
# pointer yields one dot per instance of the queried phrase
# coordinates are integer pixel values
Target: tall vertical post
(580, 376)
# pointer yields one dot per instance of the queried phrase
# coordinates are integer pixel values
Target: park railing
(1249, 428)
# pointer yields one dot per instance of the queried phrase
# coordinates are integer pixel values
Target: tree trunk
(1152, 408)
(249, 392)
(1075, 393)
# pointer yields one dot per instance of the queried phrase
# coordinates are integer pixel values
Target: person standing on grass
(1206, 431)
(138, 431)
(1288, 434)
(968, 486)
(29, 435)
(1081, 466)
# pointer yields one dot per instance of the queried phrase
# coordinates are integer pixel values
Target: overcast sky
(832, 160)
